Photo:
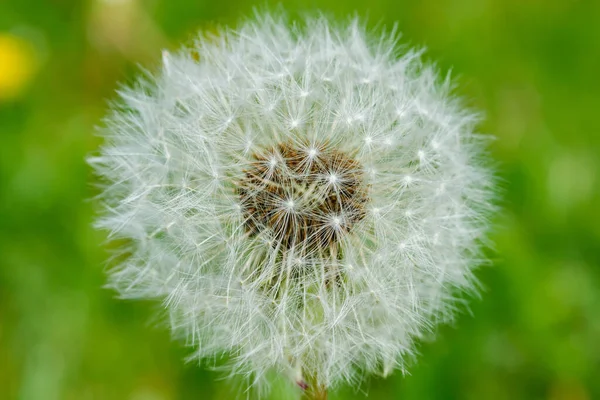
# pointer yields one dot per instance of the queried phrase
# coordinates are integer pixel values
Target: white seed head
(307, 200)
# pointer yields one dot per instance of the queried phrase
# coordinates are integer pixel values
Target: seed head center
(302, 197)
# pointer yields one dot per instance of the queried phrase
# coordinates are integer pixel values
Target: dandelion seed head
(307, 199)
(317, 192)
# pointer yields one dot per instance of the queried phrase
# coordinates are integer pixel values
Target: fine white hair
(179, 142)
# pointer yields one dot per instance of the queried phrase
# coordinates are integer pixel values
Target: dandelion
(306, 200)
(18, 65)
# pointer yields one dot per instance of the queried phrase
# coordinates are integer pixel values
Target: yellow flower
(17, 65)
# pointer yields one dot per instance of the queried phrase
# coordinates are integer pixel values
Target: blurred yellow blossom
(17, 65)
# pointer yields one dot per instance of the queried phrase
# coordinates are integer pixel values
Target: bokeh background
(533, 66)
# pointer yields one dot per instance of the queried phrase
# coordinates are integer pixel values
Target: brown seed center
(302, 197)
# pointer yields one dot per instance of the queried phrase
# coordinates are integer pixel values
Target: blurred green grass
(532, 66)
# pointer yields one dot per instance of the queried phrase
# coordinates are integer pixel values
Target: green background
(532, 66)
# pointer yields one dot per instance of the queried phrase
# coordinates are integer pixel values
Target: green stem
(315, 391)
(319, 393)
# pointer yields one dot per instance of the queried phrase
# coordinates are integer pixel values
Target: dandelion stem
(316, 392)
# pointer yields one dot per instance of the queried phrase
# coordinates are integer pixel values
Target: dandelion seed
(278, 224)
